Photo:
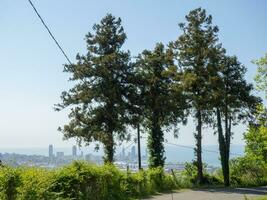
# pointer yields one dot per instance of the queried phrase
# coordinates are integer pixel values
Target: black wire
(50, 33)
(189, 147)
(207, 150)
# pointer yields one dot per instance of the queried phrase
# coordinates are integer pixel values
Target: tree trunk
(198, 150)
(139, 147)
(109, 149)
(223, 149)
(155, 143)
(227, 172)
(227, 150)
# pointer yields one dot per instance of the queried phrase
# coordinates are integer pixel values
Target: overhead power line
(49, 31)
(190, 147)
(207, 150)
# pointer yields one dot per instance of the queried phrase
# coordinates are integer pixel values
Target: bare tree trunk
(227, 150)
(223, 146)
(139, 147)
(198, 149)
(155, 143)
(109, 149)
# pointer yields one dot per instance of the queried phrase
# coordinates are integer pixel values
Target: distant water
(174, 154)
(210, 154)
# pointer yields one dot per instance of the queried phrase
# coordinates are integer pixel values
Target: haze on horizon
(31, 65)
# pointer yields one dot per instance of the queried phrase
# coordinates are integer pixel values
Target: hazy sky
(31, 65)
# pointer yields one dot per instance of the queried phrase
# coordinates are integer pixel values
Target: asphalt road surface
(214, 194)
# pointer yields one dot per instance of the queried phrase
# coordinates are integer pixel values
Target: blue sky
(31, 65)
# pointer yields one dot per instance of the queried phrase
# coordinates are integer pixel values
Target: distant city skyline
(31, 65)
(173, 154)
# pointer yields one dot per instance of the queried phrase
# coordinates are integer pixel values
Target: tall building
(60, 154)
(88, 157)
(50, 151)
(123, 154)
(74, 151)
(133, 156)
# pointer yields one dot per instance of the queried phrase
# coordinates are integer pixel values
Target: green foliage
(98, 97)
(194, 50)
(261, 198)
(234, 102)
(247, 171)
(162, 106)
(189, 176)
(149, 181)
(256, 142)
(34, 183)
(137, 184)
(256, 136)
(81, 181)
(261, 76)
(9, 181)
(251, 170)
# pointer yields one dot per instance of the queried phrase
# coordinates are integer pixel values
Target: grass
(260, 198)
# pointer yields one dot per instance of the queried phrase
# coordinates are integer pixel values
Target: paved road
(214, 194)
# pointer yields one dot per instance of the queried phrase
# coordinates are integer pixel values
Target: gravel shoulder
(214, 194)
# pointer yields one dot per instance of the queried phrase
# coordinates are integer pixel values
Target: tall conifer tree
(194, 50)
(99, 95)
(161, 105)
(233, 102)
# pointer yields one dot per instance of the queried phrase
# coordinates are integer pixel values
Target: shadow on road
(247, 191)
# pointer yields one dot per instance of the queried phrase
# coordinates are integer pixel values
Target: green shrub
(9, 182)
(155, 177)
(182, 180)
(161, 181)
(247, 171)
(81, 181)
(148, 182)
(189, 176)
(137, 184)
(34, 183)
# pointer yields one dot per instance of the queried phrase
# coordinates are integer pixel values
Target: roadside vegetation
(156, 91)
(82, 181)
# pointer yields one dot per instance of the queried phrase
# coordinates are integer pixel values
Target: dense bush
(248, 171)
(81, 181)
(9, 182)
(35, 183)
(188, 177)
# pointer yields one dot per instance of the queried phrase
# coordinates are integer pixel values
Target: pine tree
(161, 105)
(194, 50)
(98, 99)
(233, 102)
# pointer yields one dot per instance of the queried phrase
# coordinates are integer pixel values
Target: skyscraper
(74, 151)
(50, 151)
(60, 154)
(133, 153)
(123, 154)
